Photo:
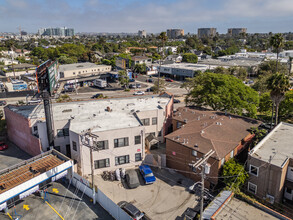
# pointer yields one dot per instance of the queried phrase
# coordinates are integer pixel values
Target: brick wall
(20, 133)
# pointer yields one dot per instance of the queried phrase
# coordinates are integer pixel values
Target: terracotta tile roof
(211, 130)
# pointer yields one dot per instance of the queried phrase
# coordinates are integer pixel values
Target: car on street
(98, 95)
(131, 210)
(132, 80)
(147, 174)
(151, 89)
(138, 93)
(150, 80)
(2, 102)
(3, 146)
(176, 101)
(70, 89)
(138, 85)
(34, 101)
(169, 80)
(131, 179)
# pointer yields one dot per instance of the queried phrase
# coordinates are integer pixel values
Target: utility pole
(90, 144)
(202, 162)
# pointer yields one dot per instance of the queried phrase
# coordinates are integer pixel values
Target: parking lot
(167, 198)
(11, 156)
(66, 202)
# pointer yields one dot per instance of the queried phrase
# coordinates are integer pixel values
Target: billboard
(47, 76)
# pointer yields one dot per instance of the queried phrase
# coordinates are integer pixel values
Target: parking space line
(54, 210)
(9, 215)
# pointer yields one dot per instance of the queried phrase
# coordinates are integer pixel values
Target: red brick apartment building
(196, 132)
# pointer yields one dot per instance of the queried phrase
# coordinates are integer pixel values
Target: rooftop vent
(196, 146)
(67, 110)
(185, 120)
(198, 118)
(108, 109)
(178, 137)
(202, 132)
(218, 123)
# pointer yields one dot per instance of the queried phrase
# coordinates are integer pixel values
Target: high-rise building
(142, 33)
(175, 33)
(62, 32)
(206, 32)
(236, 31)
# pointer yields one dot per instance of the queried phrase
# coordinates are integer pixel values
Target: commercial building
(119, 125)
(29, 176)
(142, 33)
(61, 32)
(175, 33)
(81, 69)
(182, 70)
(141, 60)
(236, 31)
(196, 132)
(206, 32)
(270, 165)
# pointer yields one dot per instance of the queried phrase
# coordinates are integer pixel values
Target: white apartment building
(119, 125)
(69, 71)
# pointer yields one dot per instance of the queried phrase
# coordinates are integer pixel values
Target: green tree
(286, 106)
(277, 42)
(189, 58)
(279, 85)
(123, 79)
(163, 38)
(188, 84)
(265, 103)
(234, 174)
(140, 68)
(159, 86)
(223, 92)
(259, 134)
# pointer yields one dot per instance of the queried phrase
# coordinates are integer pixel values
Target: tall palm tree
(279, 85)
(277, 42)
(163, 37)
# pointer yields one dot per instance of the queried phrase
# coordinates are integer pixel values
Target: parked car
(70, 89)
(147, 174)
(131, 210)
(131, 179)
(3, 146)
(138, 93)
(132, 80)
(98, 95)
(138, 85)
(151, 89)
(132, 86)
(34, 101)
(176, 101)
(169, 80)
(149, 80)
(2, 102)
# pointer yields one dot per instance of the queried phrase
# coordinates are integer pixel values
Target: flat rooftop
(77, 66)
(245, 63)
(277, 146)
(189, 66)
(94, 113)
(18, 174)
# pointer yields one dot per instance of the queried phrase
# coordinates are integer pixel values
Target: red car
(169, 80)
(3, 146)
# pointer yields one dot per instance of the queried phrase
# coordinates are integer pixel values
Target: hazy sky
(151, 15)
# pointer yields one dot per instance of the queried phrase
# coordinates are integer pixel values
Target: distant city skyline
(129, 16)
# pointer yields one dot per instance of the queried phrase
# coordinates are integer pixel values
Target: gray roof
(79, 66)
(277, 146)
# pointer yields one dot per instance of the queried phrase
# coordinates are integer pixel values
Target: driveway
(167, 198)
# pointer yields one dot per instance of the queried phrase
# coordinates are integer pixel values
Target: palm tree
(163, 37)
(279, 85)
(277, 41)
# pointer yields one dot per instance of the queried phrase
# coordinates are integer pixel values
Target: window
(253, 170)
(222, 161)
(179, 124)
(145, 121)
(122, 160)
(252, 187)
(74, 145)
(101, 145)
(121, 142)
(137, 139)
(194, 153)
(288, 190)
(232, 154)
(63, 132)
(35, 128)
(138, 157)
(102, 163)
(154, 121)
(160, 133)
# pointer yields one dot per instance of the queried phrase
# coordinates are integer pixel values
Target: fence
(101, 198)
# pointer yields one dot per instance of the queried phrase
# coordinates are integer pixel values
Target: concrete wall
(86, 71)
(82, 155)
(168, 115)
(20, 133)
